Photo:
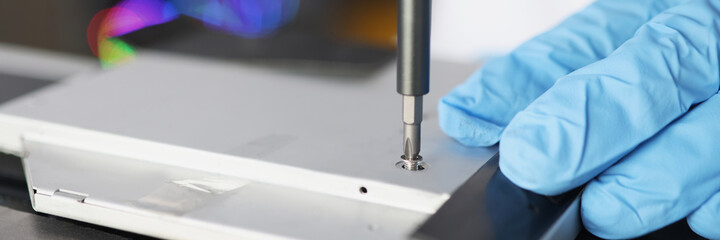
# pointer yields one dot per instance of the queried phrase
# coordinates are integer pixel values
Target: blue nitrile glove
(476, 112)
(606, 93)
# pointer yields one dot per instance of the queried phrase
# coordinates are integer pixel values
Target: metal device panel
(324, 139)
(348, 127)
(179, 203)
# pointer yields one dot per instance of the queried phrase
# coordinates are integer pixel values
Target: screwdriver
(413, 73)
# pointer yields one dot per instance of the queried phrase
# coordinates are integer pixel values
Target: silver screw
(415, 164)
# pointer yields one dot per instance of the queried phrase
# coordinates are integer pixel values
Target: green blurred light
(114, 52)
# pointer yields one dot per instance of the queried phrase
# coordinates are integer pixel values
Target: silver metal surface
(179, 203)
(224, 108)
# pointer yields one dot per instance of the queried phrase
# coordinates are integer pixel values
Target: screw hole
(363, 190)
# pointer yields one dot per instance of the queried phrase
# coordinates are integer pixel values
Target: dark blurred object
(677, 230)
(49, 24)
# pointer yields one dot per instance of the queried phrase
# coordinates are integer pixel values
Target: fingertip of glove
(525, 160)
(466, 129)
(706, 219)
(528, 174)
(705, 229)
(608, 215)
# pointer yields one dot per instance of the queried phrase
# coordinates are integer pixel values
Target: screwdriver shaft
(413, 72)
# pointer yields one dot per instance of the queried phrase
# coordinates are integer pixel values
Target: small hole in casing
(363, 190)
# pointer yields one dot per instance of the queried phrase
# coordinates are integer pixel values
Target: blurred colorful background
(350, 33)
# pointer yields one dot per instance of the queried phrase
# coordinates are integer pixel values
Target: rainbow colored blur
(245, 18)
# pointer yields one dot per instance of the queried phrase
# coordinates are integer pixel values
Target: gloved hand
(623, 94)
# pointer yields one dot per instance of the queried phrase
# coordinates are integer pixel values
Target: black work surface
(19, 221)
(489, 206)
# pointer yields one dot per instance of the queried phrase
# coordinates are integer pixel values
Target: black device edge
(489, 206)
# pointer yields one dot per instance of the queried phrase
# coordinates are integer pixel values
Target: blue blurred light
(246, 18)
